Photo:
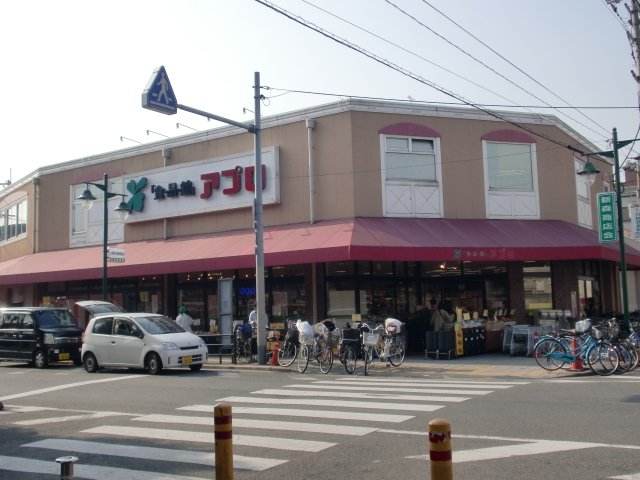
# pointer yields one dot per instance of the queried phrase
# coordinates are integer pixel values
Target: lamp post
(588, 173)
(86, 199)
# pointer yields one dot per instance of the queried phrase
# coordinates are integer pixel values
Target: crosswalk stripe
(42, 421)
(376, 388)
(14, 409)
(634, 476)
(408, 407)
(412, 384)
(90, 472)
(262, 424)
(289, 412)
(450, 382)
(206, 437)
(536, 448)
(152, 453)
(375, 396)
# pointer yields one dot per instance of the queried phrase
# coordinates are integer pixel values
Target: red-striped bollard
(224, 441)
(440, 450)
(576, 366)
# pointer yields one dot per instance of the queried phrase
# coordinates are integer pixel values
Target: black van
(39, 335)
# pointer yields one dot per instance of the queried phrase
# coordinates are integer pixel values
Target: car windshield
(158, 325)
(55, 318)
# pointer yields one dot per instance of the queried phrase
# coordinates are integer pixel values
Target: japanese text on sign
(607, 217)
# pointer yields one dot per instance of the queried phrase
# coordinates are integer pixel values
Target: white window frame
(511, 196)
(22, 204)
(412, 184)
(579, 166)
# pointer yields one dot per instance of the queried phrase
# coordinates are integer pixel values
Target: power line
(487, 66)
(403, 71)
(513, 65)
(412, 53)
(430, 102)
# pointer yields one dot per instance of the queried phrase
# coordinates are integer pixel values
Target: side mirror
(138, 333)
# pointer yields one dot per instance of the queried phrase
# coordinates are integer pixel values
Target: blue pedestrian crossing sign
(158, 94)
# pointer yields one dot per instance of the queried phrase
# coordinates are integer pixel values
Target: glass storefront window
(484, 268)
(364, 267)
(496, 291)
(441, 269)
(190, 277)
(383, 268)
(340, 298)
(339, 268)
(217, 274)
(288, 300)
(536, 267)
(193, 299)
(383, 300)
(412, 269)
(288, 271)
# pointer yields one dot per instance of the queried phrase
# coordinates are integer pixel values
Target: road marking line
(634, 476)
(90, 472)
(409, 407)
(17, 373)
(368, 417)
(206, 437)
(413, 384)
(15, 409)
(505, 439)
(370, 395)
(42, 421)
(455, 382)
(368, 388)
(152, 453)
(262, 424)
(68, 385)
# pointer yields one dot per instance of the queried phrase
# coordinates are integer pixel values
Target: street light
(588, 173)
(86, 200)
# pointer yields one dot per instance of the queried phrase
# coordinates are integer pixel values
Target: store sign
(485, 254)
(115, 254)
(607, 217)
(634, 213)
(211, 185)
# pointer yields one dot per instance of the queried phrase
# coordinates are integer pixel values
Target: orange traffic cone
(577, 365)
(274, 357)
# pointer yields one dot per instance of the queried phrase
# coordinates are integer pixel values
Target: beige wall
(20, 248)
(347, 179)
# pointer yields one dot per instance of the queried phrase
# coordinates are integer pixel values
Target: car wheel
(90, 363)
(196, 368)
(77, 362)
(153, 364)
(40, 359)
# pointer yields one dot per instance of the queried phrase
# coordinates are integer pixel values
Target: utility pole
(635, 40)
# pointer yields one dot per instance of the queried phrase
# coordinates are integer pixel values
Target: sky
(73, 71)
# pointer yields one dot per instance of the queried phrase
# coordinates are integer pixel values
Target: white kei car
(143, 340)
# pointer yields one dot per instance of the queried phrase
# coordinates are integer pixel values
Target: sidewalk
(487, 365)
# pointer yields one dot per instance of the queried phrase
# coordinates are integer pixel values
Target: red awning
(391, 239)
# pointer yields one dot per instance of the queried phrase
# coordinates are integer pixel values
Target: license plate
(63, 356)
(186, 360)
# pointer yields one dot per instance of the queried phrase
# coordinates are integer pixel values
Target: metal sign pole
(257, 222)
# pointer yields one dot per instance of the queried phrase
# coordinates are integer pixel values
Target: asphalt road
(127, 424)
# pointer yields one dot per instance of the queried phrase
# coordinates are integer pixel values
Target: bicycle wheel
(325, 359)
(396, 352)
(636, 355)
(368, 358)
(245, 351)
(303, 358)
(602, 358)
(287, 353)
(543, 351)
(625, 359)
(350, 359)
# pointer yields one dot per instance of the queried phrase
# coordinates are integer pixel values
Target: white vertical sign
(634, 213)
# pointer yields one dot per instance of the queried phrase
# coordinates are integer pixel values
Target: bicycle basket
(596, 334)
(371, 338)
(333, 338)
(320, 329)
(306, 339)
(351, 334)
(246, 330)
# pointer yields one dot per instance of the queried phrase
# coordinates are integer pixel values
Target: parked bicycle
(243, 339)
(552, 353)
(315, 347)
(288, 350)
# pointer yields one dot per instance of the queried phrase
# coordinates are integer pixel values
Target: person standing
(184, 320)
(253, 318)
